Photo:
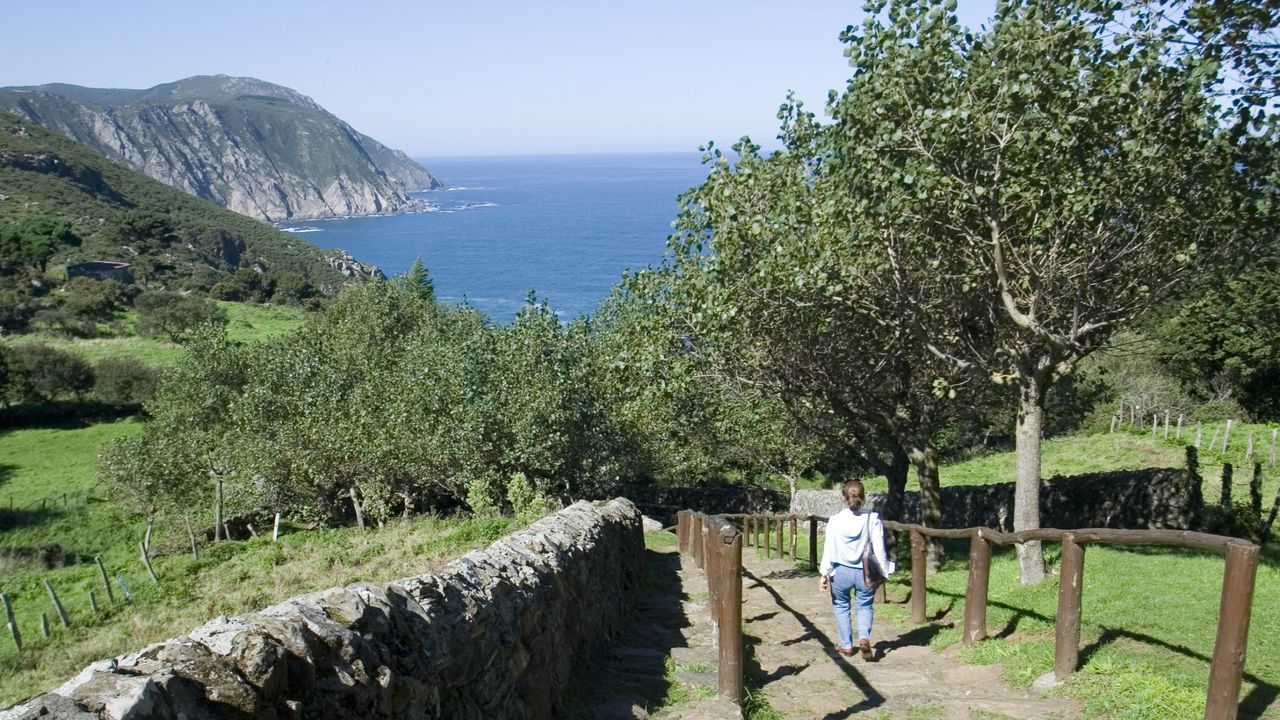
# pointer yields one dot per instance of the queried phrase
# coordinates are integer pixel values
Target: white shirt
(848, 533)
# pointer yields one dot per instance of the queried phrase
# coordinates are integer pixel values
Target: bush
(96, 300)
(39, 373)
(165, 314)
(123, 381)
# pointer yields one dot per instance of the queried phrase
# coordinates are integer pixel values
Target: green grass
(1069, 455)
(1147, 629)
(246, 322)
(229, 578)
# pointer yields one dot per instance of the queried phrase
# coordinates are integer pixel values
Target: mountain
(259, 149)
(172, 239)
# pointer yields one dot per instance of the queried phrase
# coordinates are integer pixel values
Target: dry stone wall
(491, 635)
(1138, 499)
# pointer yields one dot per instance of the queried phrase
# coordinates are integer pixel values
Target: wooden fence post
(106, 582)
(813, 543)
(712, 555)
(1199, 435)
(1155, 424)
(768, 538)
(11, 622)
(1114, 418)
(1227, 478)
(761, 524)
(1274, 432)
(975, 596)
(746, 530)
(275, 529)
(697, 541)
(123, 587)
(729, 548)
(1066, 626)
(1178, 434)
(1248, 449)
(146, 561)
(217, 508)
(780, 533)
(93, 602)
(1226, 435)
(1233, 632)
(44, 624)
(1255, 489)
(1166, 426)
(57, 605)
(918, 570)
(795, 525)
(1214, 441)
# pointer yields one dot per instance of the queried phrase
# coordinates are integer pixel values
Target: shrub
(165, 314)
(123, 381)
(39, 373)
(96, 300)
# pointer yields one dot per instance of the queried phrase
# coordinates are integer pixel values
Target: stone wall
(1137, 499)
(493, 634)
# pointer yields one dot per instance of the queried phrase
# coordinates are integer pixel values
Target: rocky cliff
(259, 149)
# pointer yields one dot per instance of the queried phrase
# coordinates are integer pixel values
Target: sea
(565, 227)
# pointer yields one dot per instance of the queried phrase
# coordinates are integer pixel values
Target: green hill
(172, 239)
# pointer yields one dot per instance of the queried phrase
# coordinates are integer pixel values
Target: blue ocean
(563, 226)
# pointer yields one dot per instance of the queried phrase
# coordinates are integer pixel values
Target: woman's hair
(854, 494)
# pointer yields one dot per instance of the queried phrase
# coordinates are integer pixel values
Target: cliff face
(259, 149)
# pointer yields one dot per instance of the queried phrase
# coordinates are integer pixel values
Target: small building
(101, 270)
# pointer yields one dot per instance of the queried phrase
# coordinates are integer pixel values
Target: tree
(165, 314)
(1048, 178)
(32, 242)
(40, 374)
(418, 281)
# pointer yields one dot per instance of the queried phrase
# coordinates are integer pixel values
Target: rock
(651, 525)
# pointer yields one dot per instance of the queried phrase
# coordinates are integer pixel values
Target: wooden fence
(1226, 668)
(716, 546)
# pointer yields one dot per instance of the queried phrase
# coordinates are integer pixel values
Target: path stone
(791, 649)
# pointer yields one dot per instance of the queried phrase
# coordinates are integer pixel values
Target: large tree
(1051, 178)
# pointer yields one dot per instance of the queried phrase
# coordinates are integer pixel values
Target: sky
(470, 78)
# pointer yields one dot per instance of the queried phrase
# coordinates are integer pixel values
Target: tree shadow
(24, 517)
(757, 679)
(632, 668)
(62, 415)
(1254, 704)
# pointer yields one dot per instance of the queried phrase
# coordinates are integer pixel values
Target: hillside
(259, 149)
(195, 243)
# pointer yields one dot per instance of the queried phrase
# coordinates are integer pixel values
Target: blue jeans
(845, 581)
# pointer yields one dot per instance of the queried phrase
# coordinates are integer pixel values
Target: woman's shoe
(845, 651)
(864, 646)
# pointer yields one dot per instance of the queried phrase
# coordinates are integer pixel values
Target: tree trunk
(925, 460)
(895, 472)
(1026, 498)
(355, 503)
(217, 509)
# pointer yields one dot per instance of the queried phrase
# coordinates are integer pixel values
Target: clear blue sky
(469, 78)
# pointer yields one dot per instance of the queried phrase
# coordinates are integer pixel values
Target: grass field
(229, 578)
(246, 322)
(1149, 616)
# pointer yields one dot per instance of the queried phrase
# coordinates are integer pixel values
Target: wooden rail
(1239, 576)
(716, 546)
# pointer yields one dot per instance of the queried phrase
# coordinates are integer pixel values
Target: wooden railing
(716, 547)
(1226, 667)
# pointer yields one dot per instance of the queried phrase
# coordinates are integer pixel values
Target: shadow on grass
(757, 679)
(24, 517)
(1252, 707)
(62, 415)
(632, 668)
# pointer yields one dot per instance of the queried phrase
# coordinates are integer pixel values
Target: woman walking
(854, 537)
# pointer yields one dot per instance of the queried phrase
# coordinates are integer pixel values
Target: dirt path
(791, 642)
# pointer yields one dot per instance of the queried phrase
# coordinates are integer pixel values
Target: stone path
(791, 642)
(664, 666)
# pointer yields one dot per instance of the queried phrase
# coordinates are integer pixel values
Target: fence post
(1066, 626)
(1178, 433)
(1233, 632)
(1274, 432)
(1155, 424)
(1166, 426)
(1226, 435)
(1199, 434)
(747, 521)
(711, 555)
(729, 548)
(1228, 477)
(106, 582)
(1255, 489)
(813, 543)
(697, 540)
(975, 596)
(768, 537)
(795, 525)
(11, 622)
(57, 605)
(780, 533)
(918, 570)
(761, 523)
